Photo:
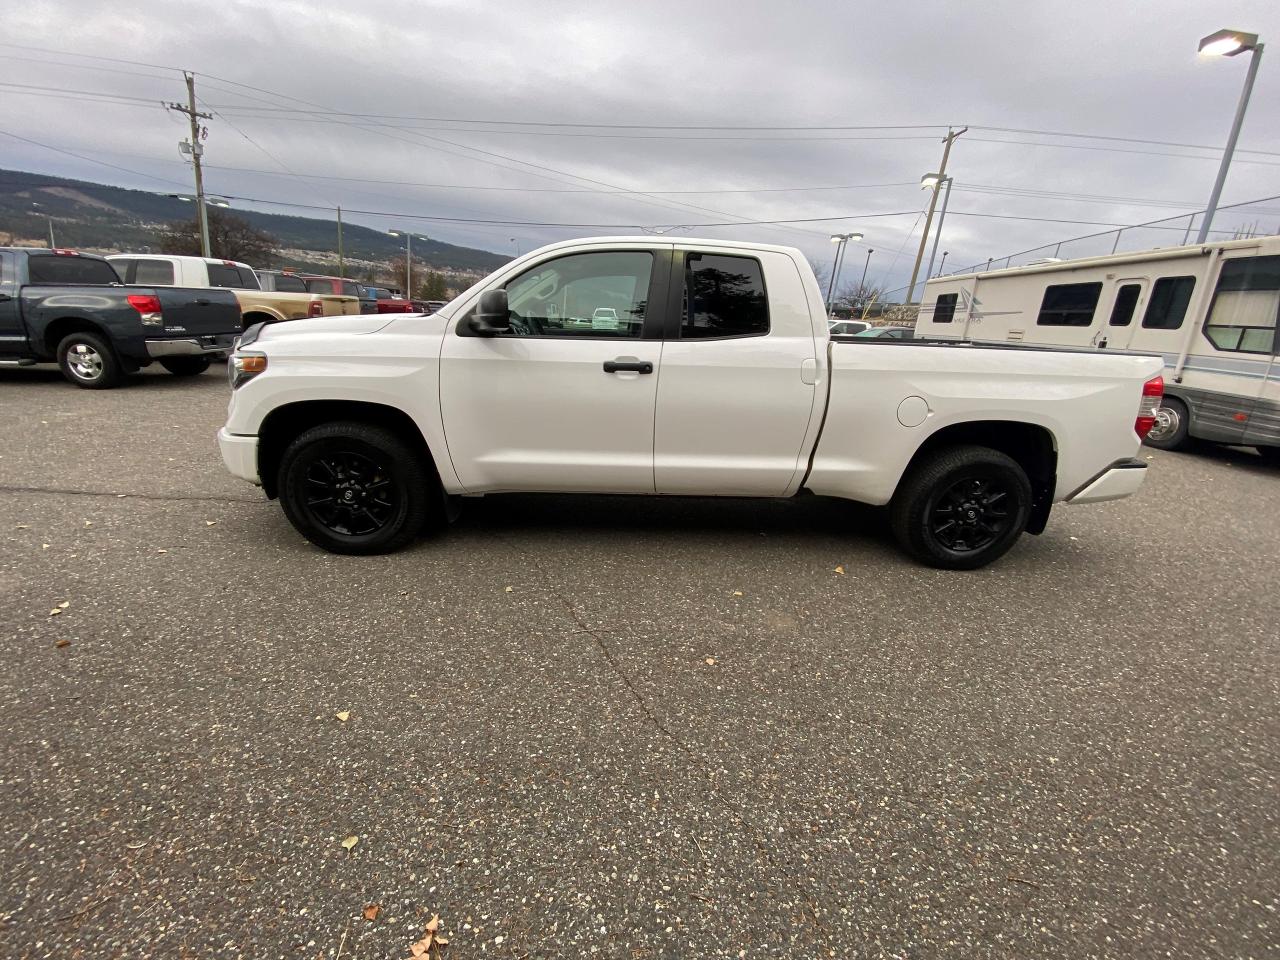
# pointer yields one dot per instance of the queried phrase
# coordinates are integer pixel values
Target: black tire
(376, 492)
(88, 361)
(1173, 422)
(961, 507)
(185, 366)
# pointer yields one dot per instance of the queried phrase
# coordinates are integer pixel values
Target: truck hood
(327, 326)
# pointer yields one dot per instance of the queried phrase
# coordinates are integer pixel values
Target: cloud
(1122, 70)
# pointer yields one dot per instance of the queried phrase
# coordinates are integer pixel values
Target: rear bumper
(240, 454)
(1121, 479)
(191, 346)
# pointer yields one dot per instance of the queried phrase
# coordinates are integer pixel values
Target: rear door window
(350, 289)
(1170, 298)
(70, 270)
(154, 272)
(724, 296)
(288, 283)
(316, 285)
(221, 275)
(122, 266)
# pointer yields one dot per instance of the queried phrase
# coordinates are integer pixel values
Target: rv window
(944, 308)
(1245, 305)
(1069, 305)
(1169, 300)
(1126, 300)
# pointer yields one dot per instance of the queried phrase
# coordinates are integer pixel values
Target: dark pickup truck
(71, 308)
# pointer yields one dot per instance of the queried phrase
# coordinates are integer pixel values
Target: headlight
(244, 367)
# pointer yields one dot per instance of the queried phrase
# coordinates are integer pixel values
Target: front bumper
(192, 346)
(240, 454)
(1121, 479)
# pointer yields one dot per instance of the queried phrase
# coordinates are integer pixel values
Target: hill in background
(100, 217)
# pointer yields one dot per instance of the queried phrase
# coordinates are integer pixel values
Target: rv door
(1128, 297)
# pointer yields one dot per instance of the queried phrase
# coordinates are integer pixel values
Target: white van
(1209, 310)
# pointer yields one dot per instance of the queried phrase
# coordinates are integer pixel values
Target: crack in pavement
(162, 497)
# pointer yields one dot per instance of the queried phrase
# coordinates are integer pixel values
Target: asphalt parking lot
(619, 728)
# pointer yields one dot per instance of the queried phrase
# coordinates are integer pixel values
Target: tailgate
(190, 311)
(339, 305)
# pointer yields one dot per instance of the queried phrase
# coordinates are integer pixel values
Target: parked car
(887, 333)
(389, 302)
(340, 286)
(434, 305)
(846, 328)
(504, 391)
(257, 304)
(72, 308)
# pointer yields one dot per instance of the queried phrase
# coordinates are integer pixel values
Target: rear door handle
(202, 302)
(630, 366)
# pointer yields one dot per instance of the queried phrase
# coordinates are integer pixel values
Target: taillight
(148, 307)
(63, 252)
(317, 308)
(1152, 393)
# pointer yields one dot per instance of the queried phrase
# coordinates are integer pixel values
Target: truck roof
(182, 256)
(662, 241)
(1133, 256)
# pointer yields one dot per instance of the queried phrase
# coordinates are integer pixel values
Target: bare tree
(856, 297)
(822, 270)
(230, 238)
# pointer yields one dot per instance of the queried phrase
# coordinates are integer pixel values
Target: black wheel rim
(350, 493)
(972, 514)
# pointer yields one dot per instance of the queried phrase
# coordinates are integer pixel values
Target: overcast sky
(401, 69)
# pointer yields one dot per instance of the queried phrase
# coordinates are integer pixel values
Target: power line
(80, 156)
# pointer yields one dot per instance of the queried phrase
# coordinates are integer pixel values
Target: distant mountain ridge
(99, 216)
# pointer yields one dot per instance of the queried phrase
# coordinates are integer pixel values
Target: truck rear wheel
(185, 366)
(88, 361)
(961, 507)
(356, 489)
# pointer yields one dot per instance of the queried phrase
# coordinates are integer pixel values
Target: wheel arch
(258, 315)
(1031, 445)
(284, 423)
(56, 330)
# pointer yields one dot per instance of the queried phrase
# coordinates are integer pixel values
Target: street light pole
(933, 202)
(943, 268)
(862, 284)
(937, 234)
(1229, 43)
(841, 239)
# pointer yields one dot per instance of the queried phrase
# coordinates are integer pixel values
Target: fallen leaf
(372, 910)
(88, 523)
(54, 612)
(44, 546)
(23, 526)
(62, 643)
(840, 570)
(343, 715)
(210, 523)
(162, 551)
(64, 604)
(434, 923)
(737, 593)
(350, 842)
(507, 590)
(711, 661)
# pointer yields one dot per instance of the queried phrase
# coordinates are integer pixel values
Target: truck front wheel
(185, 366)
(88, 361)
(355, 488)
(961, 507)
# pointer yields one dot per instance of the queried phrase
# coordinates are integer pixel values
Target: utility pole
(933, 203)
(195, 116)
(937, 234)
(341, 275)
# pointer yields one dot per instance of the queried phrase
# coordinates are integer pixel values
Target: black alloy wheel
(961, 507)
(356, 488)
(971, 514)
(351, 494)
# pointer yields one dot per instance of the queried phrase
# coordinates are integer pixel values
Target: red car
(388, 302)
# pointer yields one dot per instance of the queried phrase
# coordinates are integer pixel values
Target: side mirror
(492, 315)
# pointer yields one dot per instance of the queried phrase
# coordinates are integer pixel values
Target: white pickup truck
(715, 376)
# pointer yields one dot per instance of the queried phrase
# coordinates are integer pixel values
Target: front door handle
(202, 302)
(629, 366)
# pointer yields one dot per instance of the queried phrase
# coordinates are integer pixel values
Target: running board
(25, 362)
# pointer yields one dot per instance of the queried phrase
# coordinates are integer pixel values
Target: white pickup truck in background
(714, 375)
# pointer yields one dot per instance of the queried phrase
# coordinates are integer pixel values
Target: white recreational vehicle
(1209, 310)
